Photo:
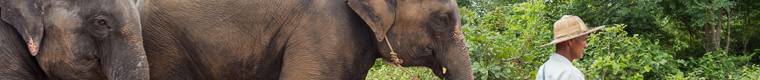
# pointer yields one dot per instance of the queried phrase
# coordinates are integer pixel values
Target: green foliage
(748, 73)
(613, 54)
(721, 65)
(383, 71)
(505, 40)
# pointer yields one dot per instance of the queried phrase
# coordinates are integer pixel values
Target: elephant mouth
(439, 71)
(452, 62)
(438, 68)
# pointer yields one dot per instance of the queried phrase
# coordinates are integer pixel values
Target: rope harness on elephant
(395, 60)
(394, 56)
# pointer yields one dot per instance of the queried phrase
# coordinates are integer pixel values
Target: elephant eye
(100, 22)
(100, 26)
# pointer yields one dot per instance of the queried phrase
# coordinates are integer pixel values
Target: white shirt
(558, 68)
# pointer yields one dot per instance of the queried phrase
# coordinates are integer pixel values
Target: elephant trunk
(126, 59)
(455, 61)
(454, 56)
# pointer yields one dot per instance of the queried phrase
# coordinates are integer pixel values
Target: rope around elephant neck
(397, 61)
(394, 56)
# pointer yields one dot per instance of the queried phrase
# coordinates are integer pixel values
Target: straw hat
(570, 27)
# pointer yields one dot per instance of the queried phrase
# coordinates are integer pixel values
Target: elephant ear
(26, 17)
(378, 14)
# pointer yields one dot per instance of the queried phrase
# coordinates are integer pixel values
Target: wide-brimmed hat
(569, 27)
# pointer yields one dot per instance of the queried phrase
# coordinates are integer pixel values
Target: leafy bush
(721, 65)
(613, 54)
(504, 41)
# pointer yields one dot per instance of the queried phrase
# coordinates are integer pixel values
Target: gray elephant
(72, 40)
(300, 39)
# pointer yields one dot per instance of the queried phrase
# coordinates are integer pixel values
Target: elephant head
(81, 39)
(421, 32)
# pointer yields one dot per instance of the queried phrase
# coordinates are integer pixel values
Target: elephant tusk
(443, 69)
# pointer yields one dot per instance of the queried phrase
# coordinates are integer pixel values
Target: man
(570, 35)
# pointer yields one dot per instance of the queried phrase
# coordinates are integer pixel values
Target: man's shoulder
(558, 68)
(559, 73)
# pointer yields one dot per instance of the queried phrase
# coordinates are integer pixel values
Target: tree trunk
(728, 33)
(712, 34)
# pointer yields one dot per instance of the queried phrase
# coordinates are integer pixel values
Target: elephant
(72, 40)
(300, 39)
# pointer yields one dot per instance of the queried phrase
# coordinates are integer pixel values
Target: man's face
(578, 46)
